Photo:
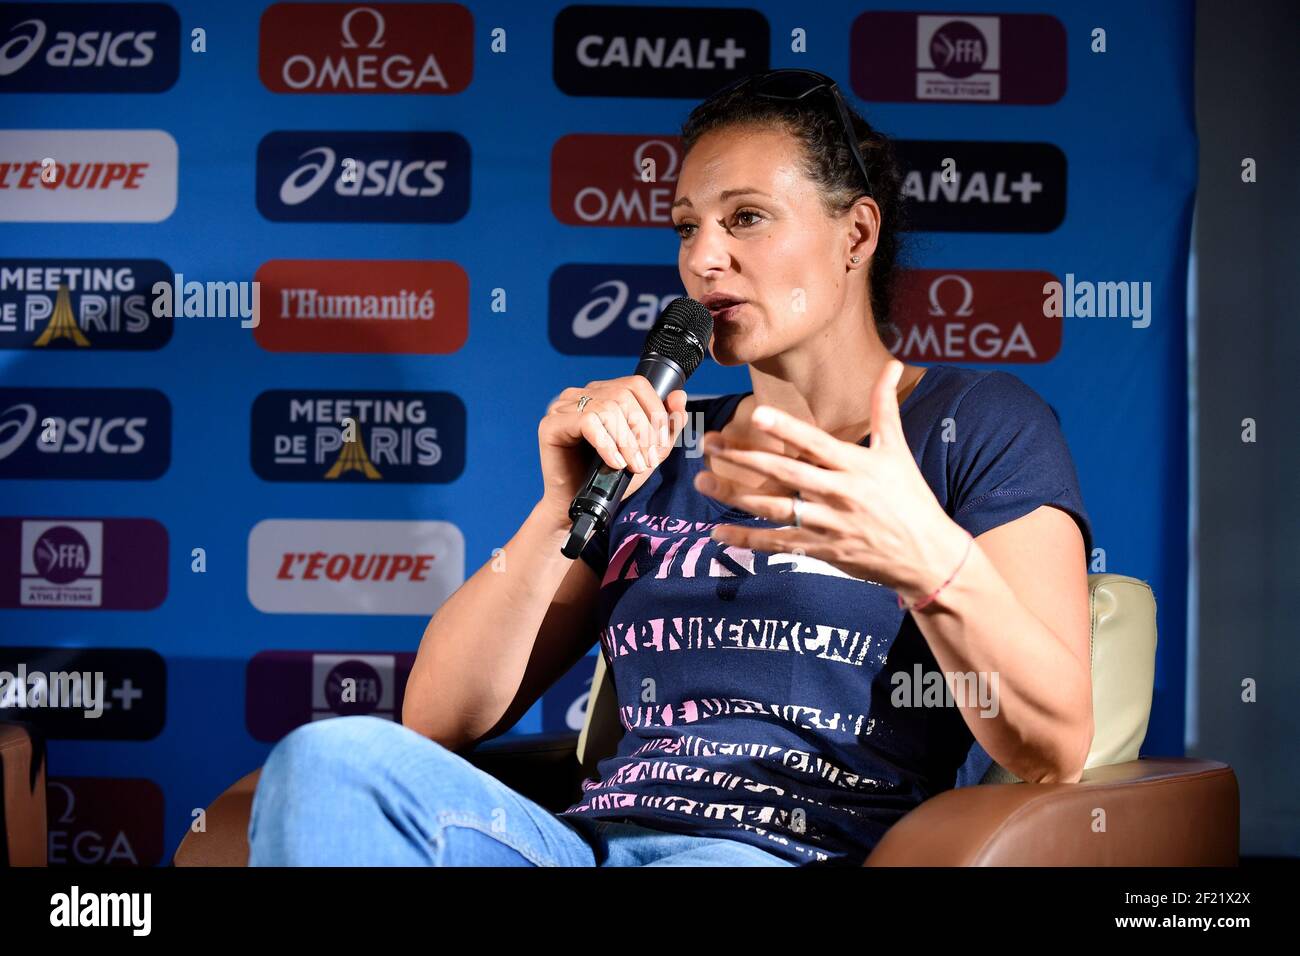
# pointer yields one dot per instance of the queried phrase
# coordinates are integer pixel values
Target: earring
(855, 258)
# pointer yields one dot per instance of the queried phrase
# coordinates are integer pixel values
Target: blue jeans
(363, 791)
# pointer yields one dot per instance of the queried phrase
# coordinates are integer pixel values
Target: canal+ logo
(681, 52)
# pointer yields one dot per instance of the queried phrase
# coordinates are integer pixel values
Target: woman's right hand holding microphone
(623, 419)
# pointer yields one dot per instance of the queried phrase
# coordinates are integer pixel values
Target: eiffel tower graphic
(353, 457)
(61, 324)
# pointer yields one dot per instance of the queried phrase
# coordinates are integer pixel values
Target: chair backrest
(1123, 649)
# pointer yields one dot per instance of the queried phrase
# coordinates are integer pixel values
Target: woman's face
(753, 228)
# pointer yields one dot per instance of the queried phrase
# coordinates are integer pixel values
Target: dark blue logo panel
(332, 176)
(82, 305)
(656, 51)
(113, 433)
(957, 186)
(88, 47)
(85, 693)
(361, 437)
(608, 309)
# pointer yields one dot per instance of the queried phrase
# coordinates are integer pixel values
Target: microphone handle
(594, 505)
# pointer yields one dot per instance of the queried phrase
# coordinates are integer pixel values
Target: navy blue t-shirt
(754, 688)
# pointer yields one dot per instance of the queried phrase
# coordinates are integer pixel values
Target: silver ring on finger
(583, 401)
(796, 503)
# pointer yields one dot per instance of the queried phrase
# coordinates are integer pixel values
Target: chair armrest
(543, 767)
(1153, 811)
(224, 841)
(23, 826)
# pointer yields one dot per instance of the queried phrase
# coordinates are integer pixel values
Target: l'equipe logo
(354, 567)
(87, 175)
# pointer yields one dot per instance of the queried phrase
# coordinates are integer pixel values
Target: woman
(779, 616)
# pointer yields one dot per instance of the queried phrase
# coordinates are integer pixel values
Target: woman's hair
(829, 165)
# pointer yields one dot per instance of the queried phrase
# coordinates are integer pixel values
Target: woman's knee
(340, 746)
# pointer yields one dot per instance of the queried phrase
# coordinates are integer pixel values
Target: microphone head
(681, 333)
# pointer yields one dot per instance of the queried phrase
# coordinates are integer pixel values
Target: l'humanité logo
(402, 437)
(358, 306)
(79, 304)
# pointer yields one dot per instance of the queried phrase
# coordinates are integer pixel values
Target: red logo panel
(974, 315)
(332, 305)
(376, 48)
(599, 180)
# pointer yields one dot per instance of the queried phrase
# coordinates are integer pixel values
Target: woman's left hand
(867, 511)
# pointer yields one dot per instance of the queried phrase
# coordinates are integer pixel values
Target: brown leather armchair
(22, 796)
(1126, 811)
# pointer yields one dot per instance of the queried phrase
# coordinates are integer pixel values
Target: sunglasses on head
(798, 85)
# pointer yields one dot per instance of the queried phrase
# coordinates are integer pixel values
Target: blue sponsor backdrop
(1124, 125)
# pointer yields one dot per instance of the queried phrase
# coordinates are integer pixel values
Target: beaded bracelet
(970, 540)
